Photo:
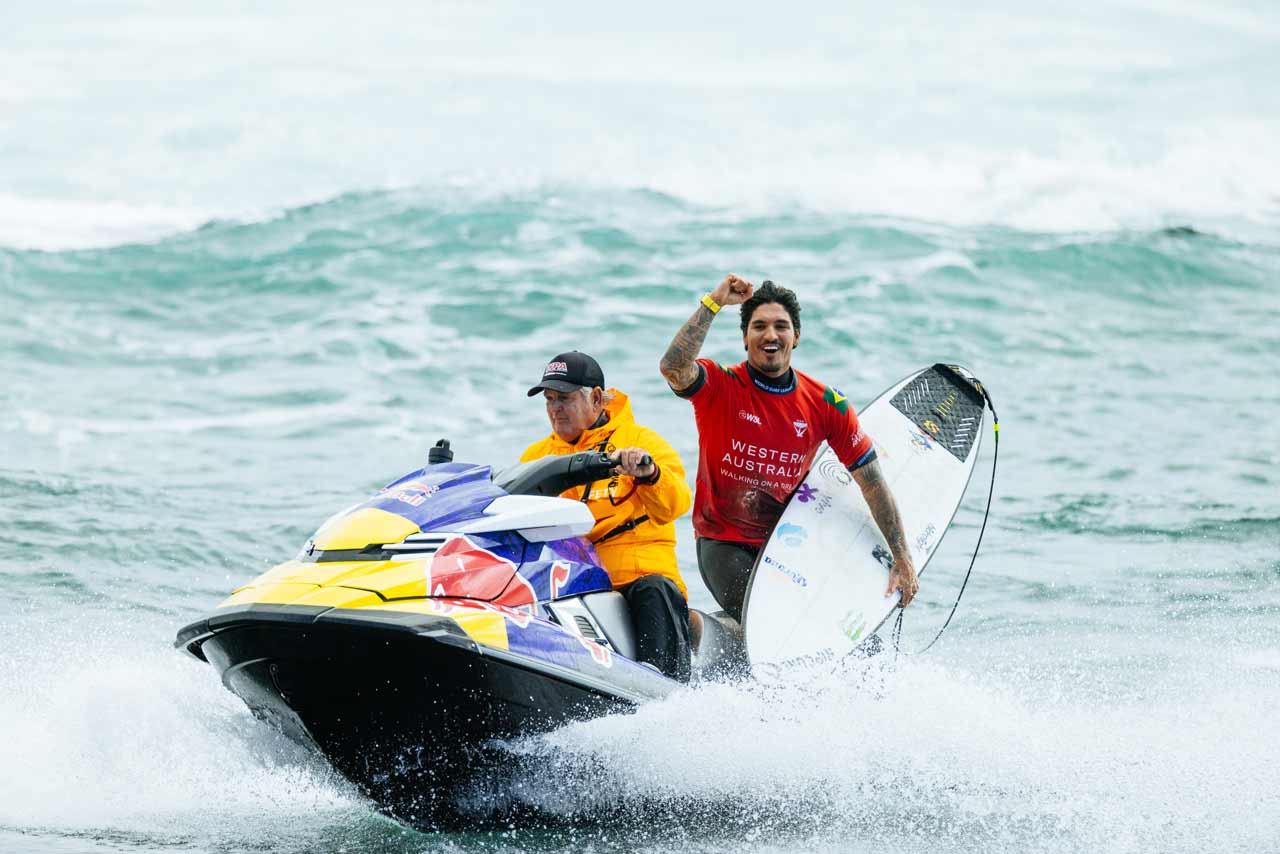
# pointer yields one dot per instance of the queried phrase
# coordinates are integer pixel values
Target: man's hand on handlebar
(635, 462)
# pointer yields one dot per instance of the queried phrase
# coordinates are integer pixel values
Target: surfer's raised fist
(732, 291)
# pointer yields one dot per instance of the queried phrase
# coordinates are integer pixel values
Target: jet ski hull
(419, 630)
(407, 706)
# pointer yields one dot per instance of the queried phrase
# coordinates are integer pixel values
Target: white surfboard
(818, 584)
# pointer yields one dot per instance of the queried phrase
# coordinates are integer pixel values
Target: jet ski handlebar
(553, 475)
(597, 465)
(645, 460)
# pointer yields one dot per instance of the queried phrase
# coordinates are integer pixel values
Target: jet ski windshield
(553, 475)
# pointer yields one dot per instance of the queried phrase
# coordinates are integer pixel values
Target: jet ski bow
(417, 629)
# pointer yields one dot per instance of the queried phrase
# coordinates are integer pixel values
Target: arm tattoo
(883, 508)
(678, 364)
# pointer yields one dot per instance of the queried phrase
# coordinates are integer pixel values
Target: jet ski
(418, 630)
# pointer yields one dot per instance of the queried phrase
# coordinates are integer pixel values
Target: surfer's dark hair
(769, 292)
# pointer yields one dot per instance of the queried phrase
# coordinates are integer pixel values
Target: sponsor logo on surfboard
(923, 541)
(852, 625)
(881, 554)
(946, 409)
(833, 470)
(792, 535)
(806, 494)
(920, 441)
(796, 577)
(775, 671)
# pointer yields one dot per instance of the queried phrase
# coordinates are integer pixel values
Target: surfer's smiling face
(770, 338)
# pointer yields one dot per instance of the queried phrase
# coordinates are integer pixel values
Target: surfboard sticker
(818, 584)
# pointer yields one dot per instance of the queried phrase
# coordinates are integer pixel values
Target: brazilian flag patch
(833, 396)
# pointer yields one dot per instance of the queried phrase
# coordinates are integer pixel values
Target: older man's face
(571, 412)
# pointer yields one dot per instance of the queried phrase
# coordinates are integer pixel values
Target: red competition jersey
(756, 443)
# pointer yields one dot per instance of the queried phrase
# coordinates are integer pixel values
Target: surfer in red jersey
(760, 424)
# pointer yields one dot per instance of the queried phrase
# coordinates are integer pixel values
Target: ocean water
(255, 262)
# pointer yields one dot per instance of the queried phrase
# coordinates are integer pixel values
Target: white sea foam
(1093, 118)
(951, 756)
(108, 727)
(76, 223)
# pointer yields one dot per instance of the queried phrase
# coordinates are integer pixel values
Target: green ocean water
(180, 414)
(255, 259)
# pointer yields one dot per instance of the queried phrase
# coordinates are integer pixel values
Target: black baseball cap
(570, 372)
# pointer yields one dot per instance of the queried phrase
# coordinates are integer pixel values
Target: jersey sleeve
(707, 387)
(846, 437)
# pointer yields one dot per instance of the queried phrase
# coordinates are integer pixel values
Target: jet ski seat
(601, 617)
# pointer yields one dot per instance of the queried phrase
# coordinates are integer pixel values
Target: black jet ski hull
(407, 707)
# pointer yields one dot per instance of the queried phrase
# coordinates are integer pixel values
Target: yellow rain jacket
(650, 546)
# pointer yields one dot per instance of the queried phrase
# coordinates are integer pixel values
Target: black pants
(660, 615)
(726, 569)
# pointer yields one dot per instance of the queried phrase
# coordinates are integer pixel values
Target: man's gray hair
(605, 400)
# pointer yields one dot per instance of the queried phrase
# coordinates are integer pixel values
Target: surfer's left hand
(903, 577)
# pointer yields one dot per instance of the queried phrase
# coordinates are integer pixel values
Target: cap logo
(557, 368)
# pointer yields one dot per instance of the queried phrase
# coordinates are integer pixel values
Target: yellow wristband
(712, 305)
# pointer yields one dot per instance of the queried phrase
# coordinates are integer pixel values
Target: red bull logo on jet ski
(414, 493)
(559, 577)
(600, 653)
(463, 570)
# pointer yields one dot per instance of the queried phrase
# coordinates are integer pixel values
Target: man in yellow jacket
(634, 509)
